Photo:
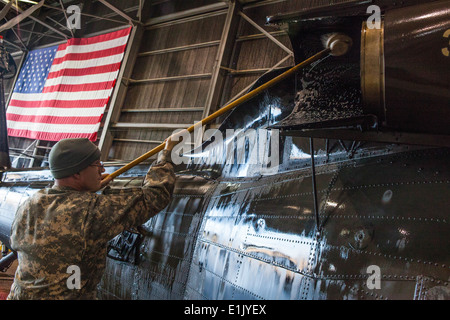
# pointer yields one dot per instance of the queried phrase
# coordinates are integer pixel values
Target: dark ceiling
(47, 24)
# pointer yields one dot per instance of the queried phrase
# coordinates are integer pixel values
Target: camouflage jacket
(60, 231)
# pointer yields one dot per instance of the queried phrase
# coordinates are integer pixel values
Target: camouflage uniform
(60, 227)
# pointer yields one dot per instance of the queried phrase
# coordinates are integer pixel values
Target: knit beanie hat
(70, 156)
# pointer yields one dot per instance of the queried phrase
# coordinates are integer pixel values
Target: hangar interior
(183, 61)
(362, 178)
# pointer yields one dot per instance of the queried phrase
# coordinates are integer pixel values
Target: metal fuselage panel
(164, 255)
(12, 194)
(256, 238)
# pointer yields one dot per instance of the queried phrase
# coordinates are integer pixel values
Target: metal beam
(120, 90)
(88, 15)
(261, 35)
(139, 14)
(65, 16)
(12, 44)
(184, 16)
(181, 48)
(119, 12)
(266, 33)
(23, 15)
(261, 3)
(251, 84)
(134, 125)
(223, 56)
(143, 141)
(39, 34)
(189, 109)
(20, 40)
(174, 78)
(248, 71)
(38, 21)
(138, 140)
(108, 16)
(5, 10)
(60, 24)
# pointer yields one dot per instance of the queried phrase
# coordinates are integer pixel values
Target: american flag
(62, 91)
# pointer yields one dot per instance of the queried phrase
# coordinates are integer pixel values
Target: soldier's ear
(76, 176)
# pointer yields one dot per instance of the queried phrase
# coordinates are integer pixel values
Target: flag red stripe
(80, 87)
(90, 55)
(94, 40)
(86, 71)
(53, 119)
(50, 136)
(94, 103)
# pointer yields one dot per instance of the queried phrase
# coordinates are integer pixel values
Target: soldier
(66, 228)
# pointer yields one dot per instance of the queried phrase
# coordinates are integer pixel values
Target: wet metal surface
(260, 241)
(165, 253)
(15, 188)
(418, 36)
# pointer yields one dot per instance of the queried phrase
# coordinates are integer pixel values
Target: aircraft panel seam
(249, 255)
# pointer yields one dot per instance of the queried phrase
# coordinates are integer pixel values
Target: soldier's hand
(174, 139)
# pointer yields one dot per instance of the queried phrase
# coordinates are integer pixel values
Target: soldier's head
(76, 163)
